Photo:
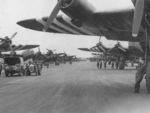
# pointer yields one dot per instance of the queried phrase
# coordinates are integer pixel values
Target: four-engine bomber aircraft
(123, 20)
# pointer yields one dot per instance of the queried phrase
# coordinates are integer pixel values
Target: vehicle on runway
(13, 65)
(128, 21)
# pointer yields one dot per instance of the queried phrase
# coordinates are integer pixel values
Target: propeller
(137, 19)
(53, 15)
(13, 36)
(10, 43)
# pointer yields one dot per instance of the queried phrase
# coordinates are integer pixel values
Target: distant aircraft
(52, 56)
(123, 22)
(118, 52)
(68, 58)
(98, 48)
(6, 45)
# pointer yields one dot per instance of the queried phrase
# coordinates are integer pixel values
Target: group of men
(104, 64)
(32, 67)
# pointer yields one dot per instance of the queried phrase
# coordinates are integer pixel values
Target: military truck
(13, 65)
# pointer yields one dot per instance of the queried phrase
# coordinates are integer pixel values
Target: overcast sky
(12, 11)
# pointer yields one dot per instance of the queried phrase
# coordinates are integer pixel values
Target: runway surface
(77, 88)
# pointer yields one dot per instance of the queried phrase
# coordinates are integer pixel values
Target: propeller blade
(138, 14)
(53, 15)
(13, 35)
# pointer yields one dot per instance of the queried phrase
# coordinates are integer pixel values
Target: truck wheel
(36, 73)
(29, 73)
(6, 74)
(11, 74)
(39, 73)
(25, 73)
(21, 74)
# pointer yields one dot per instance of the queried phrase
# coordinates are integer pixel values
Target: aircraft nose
(31, 24)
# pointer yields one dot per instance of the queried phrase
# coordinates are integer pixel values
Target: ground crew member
(1, 67)
(139, 76)
(117, 64)
(112, 64)
(105, 64)
(98, 64)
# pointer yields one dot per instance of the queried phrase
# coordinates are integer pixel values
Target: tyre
(25, 73)
(39, 73)
(28, 73)
(36, 73)
(6, 74)
(21, 74)
(11, 74)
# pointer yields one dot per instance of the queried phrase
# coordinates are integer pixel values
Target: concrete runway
(77, 88)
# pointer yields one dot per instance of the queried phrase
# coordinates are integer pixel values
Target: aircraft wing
(114, 26)
(24, 47)
(99, 48)
(60, 25)
(19, 48)
(96, 18)
(84, 49)
(92, 49)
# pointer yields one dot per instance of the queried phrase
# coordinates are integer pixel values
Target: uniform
(139, 76)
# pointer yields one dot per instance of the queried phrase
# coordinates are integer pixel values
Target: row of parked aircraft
(120, 22)
(118, 51)
(51, 57)
(6, 45)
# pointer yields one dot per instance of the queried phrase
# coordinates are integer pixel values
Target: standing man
(105, 63)
(1, 65)
(117, 63)
(98, 61)
(1, 68)
(139, 77)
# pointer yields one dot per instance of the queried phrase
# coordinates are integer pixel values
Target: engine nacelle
(78, 9)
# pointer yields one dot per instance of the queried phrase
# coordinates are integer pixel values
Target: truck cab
(13, 65)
